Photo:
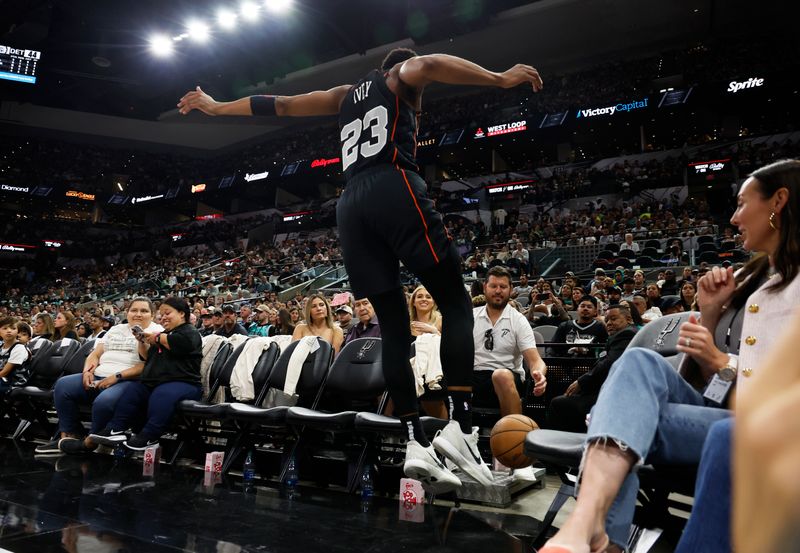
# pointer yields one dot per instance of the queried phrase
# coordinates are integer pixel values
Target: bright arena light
(198, 30)
(278, 6)
(161, 46)
(249, 11)
(226, 19)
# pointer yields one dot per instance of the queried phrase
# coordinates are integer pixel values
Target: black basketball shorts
(385, 217)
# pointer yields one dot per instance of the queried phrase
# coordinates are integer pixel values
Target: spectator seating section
(563, 450)
(355, 380)
(48, 364)
(257, 424)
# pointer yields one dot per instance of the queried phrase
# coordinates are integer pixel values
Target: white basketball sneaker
(422, 464)
(462, 449)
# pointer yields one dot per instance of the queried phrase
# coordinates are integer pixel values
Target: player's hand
(539, 382)
(521, 74)
(199, 100)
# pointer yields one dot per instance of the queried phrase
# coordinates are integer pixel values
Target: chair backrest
(707, 247)
(645, 261)
(539, 340)
(315, 369)
(652, 243)
(547, 332)
(708, 257)
(225, 372)
(50, 365)
(76, 362)
(649, 252)
(661, 335)
(612, 247)
(606, 254)
(623, 262)
(357, 372)
(705, 239)
(630, 254)
(264, 365)
(223, 352)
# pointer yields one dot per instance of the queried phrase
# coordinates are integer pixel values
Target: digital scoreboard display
(17, 64)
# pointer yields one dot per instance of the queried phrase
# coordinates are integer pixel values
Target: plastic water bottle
(249, 470)
(291, 477)
(367, 489)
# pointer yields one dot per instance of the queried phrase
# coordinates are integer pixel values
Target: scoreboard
(17, 64)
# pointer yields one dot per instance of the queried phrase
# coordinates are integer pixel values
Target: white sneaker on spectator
(422, 464)
(462, 449)
(524, 475)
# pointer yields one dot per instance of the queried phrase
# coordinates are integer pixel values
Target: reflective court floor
(102, 503)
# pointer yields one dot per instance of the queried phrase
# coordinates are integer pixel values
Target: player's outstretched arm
(320, 102)
(442, 68)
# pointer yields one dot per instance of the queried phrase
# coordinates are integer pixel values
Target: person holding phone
(106, 373)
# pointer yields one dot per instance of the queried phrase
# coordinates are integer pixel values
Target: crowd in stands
(94, 168)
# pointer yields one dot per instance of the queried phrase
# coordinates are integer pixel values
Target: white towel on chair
(242, 386)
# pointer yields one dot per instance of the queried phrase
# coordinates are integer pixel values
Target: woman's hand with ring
(697, 341)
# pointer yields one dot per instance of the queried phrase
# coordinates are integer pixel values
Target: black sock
(414, 428)
(461, 409)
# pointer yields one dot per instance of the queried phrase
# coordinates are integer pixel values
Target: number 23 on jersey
(373, 126)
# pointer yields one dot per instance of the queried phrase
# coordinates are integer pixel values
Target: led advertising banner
(713, 166)
(53, 244)
(747, 84)
(142, 199)
(250, 177)
(425, 142)
(197, 188)
(622, 107)
(295, 216)
(516, 186)
(21, 248)
(451, 137)
(80, 195)
(502, 128)
(322, 162)
(208, 217)
(16, 189)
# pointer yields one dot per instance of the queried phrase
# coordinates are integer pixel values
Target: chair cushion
(381, 424)
(32, 392)
(344, 420)
(202, 409)
(274, 416)
(552, 446)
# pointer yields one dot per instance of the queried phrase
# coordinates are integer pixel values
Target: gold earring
(772, 221)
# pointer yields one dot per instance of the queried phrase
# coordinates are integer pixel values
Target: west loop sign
(611, 110)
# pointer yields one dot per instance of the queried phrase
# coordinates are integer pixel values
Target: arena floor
(103, 503)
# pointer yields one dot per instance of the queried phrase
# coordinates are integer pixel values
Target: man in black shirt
(578, 335)
(229, 324)
(385, 217)
(568, 412)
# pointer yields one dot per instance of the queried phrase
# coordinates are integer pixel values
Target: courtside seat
(260, 373)
(391, 426)
(46, 367)
(356, 375)
(563, 450)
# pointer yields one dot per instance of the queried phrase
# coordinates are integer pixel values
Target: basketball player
(385, 217)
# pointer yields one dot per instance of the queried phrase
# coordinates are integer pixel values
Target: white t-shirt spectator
(500, 216)
(120, 349)
(633, 246)
(512, 334)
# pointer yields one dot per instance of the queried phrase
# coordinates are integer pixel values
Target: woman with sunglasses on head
(648, 412)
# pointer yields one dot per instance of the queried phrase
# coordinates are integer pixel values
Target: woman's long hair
(770, 178)
(307, 310)
(67, 328)
(49, 326)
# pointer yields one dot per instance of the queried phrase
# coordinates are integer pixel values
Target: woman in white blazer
(647, 411)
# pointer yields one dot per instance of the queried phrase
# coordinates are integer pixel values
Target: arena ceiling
(96, 60)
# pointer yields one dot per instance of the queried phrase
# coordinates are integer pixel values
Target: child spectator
(12, 354)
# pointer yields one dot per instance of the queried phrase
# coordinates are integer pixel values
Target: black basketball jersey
(377, 127)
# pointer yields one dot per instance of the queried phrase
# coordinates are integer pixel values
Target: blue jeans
(709, 527)
(151, 408)
(69, 394)
(646, 406)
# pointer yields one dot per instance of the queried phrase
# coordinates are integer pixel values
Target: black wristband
(262, 105)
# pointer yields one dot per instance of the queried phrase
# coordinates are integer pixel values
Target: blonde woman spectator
(424, 314)
(318, 319)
